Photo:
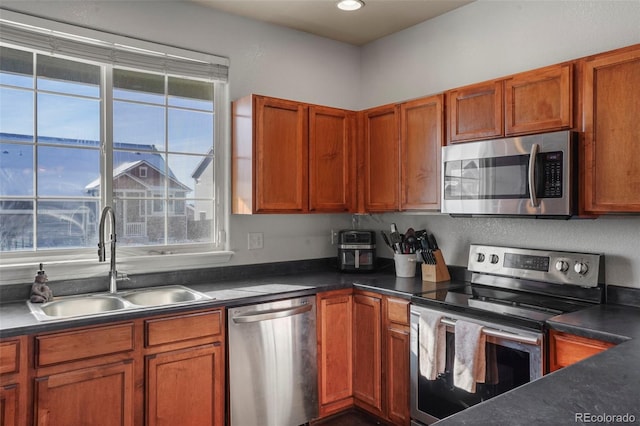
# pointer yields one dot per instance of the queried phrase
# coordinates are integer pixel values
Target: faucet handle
(122, 276)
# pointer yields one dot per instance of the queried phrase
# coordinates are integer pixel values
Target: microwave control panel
(551, 163)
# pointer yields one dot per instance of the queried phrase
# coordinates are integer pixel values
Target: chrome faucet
(113, 274)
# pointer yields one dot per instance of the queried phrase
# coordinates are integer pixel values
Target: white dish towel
(469, 365)
(432, 345)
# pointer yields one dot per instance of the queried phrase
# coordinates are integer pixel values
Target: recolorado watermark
(604, 418)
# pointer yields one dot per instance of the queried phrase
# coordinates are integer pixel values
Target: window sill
(58, 270)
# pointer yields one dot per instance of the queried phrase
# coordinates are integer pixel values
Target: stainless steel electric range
(512, 292)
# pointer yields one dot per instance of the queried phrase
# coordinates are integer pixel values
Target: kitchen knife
(431, 239)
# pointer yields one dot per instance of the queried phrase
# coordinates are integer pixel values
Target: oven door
(518, 360)
(530, 175)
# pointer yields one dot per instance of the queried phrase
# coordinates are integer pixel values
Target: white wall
(490, 39)
(483, 40)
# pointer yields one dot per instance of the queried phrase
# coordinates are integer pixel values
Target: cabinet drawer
(398, 311)
(9, 357)
(86, 343)
(567, 349)
(181, 328)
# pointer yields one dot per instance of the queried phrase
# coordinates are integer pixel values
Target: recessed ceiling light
(350, 5)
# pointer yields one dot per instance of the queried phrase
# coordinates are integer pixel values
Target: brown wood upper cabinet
(611, 87)
(291, 157)
(402, 155)
(475, 112)
(531, 102)
(381, 158)
(539, 100)
(421, 139)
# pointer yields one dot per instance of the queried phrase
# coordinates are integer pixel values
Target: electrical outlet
(334, 237)
(255, 240)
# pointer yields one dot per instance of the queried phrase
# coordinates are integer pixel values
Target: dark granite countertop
(16, 319)
(606, 384)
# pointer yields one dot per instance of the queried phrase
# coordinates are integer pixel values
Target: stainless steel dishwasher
(273, 379)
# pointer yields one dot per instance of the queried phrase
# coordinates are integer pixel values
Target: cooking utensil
(395, 238)
(386, 240)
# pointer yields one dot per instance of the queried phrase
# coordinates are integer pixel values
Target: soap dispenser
(40, 291)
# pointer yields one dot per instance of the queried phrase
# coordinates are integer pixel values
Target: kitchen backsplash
(616, 237)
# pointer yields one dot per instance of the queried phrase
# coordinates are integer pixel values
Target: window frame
(62, 264)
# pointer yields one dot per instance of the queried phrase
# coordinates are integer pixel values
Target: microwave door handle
(532, 175)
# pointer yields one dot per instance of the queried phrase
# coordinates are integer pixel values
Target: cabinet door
(475, 112)
(186, 387)
(539, 100)
(331, 136)
(612, 126)
(396, 321)
(14, 372)
(335, 334)
(281, 165)
(398, 375)
(9, 405)
(420, 144)
(96, 396)
(367, 353)
(382, 164)
(566, 349)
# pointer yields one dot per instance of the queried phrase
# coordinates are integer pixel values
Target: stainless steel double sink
(90, 305)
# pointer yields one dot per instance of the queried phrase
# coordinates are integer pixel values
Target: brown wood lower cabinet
(185, 387)
(100, 395)
(566, 349)
(162, 370)
(363, 354)
(367, 352)
(335, 339)
(13, 381)
(396, 339)
(9, 407)
(184, 369)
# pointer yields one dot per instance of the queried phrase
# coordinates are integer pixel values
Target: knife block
(438, 272)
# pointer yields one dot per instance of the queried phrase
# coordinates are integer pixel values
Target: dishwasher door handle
(271, 314)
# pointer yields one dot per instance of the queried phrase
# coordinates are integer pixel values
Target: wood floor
(350, 418)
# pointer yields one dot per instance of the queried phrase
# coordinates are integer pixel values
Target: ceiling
(321, 17)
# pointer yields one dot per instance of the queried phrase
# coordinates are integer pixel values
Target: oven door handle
(500, 334)
(532, 175)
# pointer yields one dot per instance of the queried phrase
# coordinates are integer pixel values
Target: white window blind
(112, 49)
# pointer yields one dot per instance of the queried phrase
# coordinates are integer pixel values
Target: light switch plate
(255, 240)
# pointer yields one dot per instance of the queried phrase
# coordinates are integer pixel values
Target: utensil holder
(405, 265)
(438, 272)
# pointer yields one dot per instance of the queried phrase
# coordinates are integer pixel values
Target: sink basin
(74, 306)
(167, 295)
(100, 304)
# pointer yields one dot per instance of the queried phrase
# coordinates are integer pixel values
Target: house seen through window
(69, 128)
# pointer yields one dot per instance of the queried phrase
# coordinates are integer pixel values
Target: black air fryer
(356, 251)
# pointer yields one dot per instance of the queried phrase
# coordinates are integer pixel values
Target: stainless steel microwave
(531, 176)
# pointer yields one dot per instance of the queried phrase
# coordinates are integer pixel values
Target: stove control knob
(494, 258)
(480, 258)
(562, 266)
(581, 268)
